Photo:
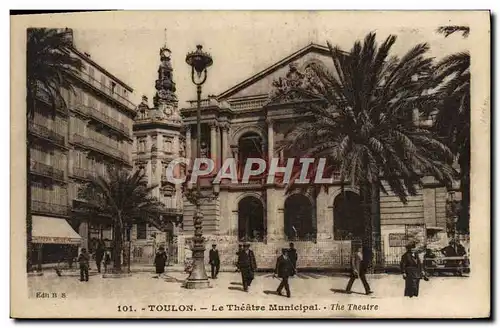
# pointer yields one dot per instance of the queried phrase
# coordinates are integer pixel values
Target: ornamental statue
(295, 85)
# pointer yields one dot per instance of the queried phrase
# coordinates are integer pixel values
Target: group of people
(411, 266)
(102, 256)
(246, 264)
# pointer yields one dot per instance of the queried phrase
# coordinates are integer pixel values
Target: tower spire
(165, 99)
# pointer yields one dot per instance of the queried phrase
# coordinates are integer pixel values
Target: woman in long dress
(412, 270)
(160, 261)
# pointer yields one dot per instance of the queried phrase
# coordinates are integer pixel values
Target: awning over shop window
(47, 230)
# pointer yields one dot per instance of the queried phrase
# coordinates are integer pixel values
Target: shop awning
(47, 230)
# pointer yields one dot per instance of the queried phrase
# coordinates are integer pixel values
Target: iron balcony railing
(100, 147)
(171, 211)
(49, 208)
(44, 132)
(46, 170)
(83, 173)
(108, 121)
(43, 95)
(105, 89)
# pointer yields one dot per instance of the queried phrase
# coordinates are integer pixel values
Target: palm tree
(362, 122)
(49, 66)
(452, 121)
(124, 197)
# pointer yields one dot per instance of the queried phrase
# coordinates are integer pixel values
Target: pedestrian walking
(358, 270)
(99, 255)
(214, 260)
(160, 261)
(247, 265)
(412, 270)
(240, 249)
(292, 254)
(284, 269)
(107, 260)
(84, 260)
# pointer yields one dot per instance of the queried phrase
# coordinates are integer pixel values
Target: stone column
(275, 216)
(188, 142)
(233, 225)
(71, 161)
(270, 139)
(225, 142)
(83, 231)
(156, 169)
(213, 141)
(324, 217)
(429, 200)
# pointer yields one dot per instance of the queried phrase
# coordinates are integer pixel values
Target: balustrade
(100, 147)
(49, 208)
(46, 170)
(45, 132)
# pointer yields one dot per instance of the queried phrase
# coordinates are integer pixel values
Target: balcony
(171, 211)
(46, 171)
(46, 134)
(81, 109)
(101, 148)
(108, 121)
(84, 174)
(49, 208)
(106, 90)
(43, 96)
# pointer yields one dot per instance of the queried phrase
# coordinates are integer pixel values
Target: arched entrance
(251, 225)
(348, 216)
(300, 218)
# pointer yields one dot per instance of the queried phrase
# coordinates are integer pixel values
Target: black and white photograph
(204, 164)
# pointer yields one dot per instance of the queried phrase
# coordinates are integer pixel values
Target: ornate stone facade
(158, 139)
(252, 118)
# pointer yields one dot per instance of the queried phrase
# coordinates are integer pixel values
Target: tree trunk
(117, 249)
(365, 194)
(126, 248)
(375, 214)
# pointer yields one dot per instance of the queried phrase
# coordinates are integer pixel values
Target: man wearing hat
(214, 260)
(284, 269)
(247, 266)
(240, 249)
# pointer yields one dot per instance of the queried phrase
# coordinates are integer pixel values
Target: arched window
(300, 218)
(348, 216)
(250, 145)
(251, 225)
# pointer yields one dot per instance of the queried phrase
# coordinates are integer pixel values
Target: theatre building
(242, 122)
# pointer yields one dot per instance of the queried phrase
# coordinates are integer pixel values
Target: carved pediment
(295, 86)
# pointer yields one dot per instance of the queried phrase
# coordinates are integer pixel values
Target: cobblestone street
(143, 289)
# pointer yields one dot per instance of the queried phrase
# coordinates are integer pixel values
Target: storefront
(54, 241)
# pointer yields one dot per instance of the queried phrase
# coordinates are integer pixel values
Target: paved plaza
(305, 286)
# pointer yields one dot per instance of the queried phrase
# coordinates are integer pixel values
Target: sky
(241, 43)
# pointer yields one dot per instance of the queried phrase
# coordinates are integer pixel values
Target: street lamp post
(199, 62)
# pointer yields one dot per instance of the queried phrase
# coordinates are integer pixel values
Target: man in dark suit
(240, 249)
(247, 265)
(214, 260)
(284, 269)
(292, 254)
(358, 270)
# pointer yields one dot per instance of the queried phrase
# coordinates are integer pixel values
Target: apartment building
(93, 132)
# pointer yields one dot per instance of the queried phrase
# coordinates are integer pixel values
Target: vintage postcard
(217, 164)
